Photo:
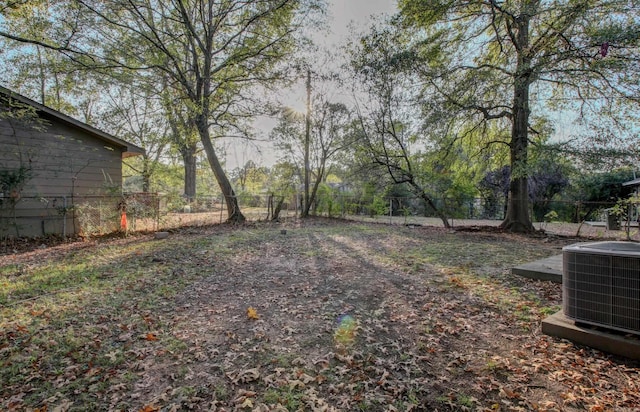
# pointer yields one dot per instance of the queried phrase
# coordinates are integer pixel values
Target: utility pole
(307, 140)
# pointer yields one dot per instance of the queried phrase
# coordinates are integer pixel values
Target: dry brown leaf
(248, 394)
(248, 375)
(64, 406)
(306, 378)
(151, 336)
(252, 313)
(296, 384)
(261, 407)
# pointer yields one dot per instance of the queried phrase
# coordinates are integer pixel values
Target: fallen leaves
(252, 313)
(245, 376)
(425, 330)
(150, 337)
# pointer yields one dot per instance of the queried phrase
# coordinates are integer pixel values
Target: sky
(358, 12)
(341, 15)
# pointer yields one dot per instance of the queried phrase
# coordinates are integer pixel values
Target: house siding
(63, 160)
(70, 168)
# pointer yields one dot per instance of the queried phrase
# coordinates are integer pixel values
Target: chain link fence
(143, 212)
(39, 216)
(36, 216)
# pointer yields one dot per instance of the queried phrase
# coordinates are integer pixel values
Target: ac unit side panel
(625, 293)
(602, 289)
(568, 283)
(589, 288)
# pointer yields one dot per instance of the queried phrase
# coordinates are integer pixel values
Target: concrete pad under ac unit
(560, 326)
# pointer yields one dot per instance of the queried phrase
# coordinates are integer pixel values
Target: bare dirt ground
(313, 315)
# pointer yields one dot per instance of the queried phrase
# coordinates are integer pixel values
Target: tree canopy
(451, 97)
(210, 53)
(508, 61)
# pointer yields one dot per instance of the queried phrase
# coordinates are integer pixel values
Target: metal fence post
(221, 206)
(64, 216)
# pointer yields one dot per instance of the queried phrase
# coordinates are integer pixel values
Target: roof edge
(634, 182)
(130, 149)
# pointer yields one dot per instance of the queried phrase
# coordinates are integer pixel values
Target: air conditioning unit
(601, 284)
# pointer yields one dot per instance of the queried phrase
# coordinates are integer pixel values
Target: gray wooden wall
(67, 163)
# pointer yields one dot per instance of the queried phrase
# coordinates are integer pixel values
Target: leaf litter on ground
(334, 316)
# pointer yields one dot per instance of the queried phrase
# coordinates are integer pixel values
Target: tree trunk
(307, 141)
(517, 218)
(234, 215)
(278, 208)
(146, 175)
(431, 204)
(187, 149)
(188, 153)
(311, 197)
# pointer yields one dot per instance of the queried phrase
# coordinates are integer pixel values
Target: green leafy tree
(282, 186)
(251, 182)
(328, 136)
(544, 185)
(388, 134)
(481, 60)
(37, 71)
(603, 187)
(211, 53)
(251, 177)
(138, 118)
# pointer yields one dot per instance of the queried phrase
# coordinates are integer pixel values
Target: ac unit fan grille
(602, 289)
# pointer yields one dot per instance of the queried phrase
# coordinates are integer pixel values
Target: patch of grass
(174, 345)
(125, 321)
(458, 400)
(48, 279)
(465, 400)
(282, 360)
(71, 320)
(455, 251)
(221, 393)
(523, 312)
(549, 310)
(495, 291)
(313, 253)
(12, 270)
(186, 391)
(289, 398)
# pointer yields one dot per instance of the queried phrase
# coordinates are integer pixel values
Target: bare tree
(311, 141)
